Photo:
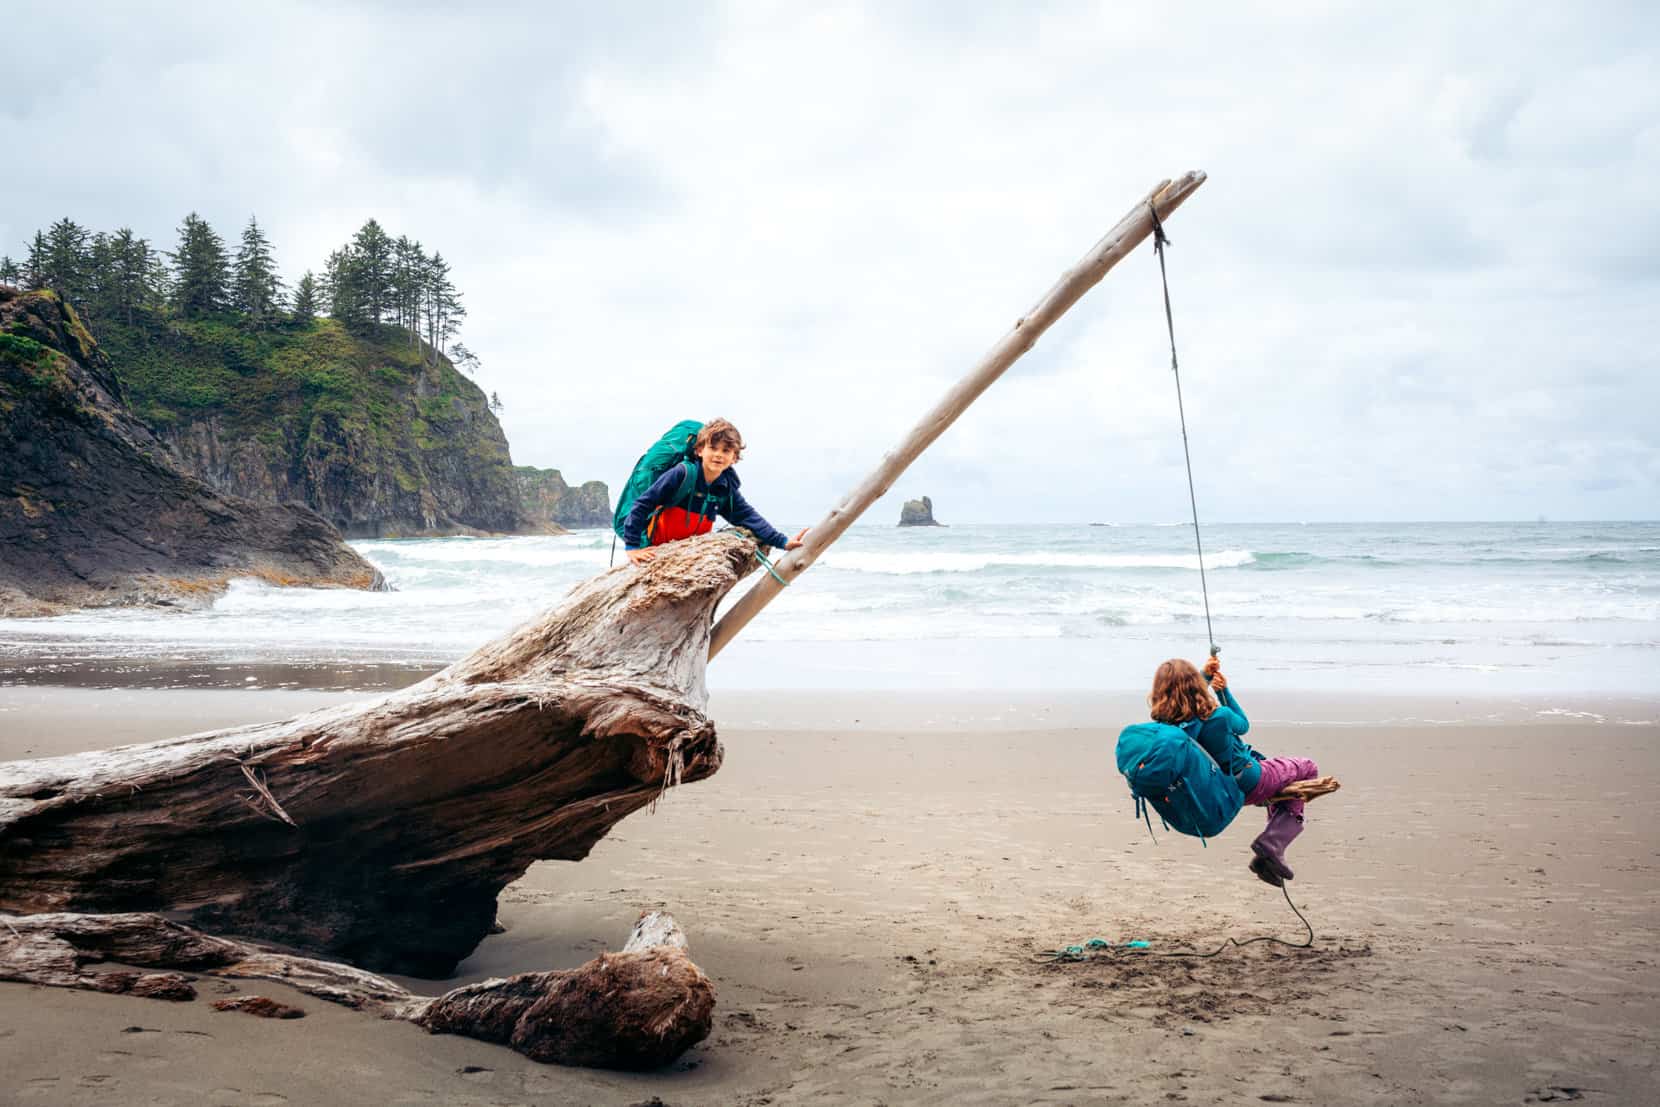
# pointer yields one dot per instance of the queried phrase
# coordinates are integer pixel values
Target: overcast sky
(1422, 282)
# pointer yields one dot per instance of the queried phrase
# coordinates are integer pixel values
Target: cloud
(1415, 285)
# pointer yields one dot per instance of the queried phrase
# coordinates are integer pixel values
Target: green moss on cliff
(17, 349)
(368, 409)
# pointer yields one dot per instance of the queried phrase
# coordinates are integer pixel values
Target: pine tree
(129, 281)
(100, 263)
(451, 313)
(372, 253)
(464, 359)
(495, 402)
(408, 263)
(255, 289)
(10, 272)
(159, 279)
(443, 305)
(35, 266)
(68, 268)
(305, 300)
(340, 288)
(200, 269)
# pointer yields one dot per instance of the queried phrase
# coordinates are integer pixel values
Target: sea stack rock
(95, 510)
(918, 513)
(549, 503)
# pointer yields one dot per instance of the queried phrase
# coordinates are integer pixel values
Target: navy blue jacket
(721, 498)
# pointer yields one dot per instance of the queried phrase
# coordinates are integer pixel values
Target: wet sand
(868, 879)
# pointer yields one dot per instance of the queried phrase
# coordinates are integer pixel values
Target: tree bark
(637, 1009)
(381, 832)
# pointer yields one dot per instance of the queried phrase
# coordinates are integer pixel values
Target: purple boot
(1283, 827)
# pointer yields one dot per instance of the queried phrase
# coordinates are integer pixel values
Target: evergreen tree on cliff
(305, 300)
(342, 289)
(201, 269)
(255, 290)
(128, 280)
(443, 304)
(372, 251)
(100, 259)
(408, 263)
(34, 265)
(10, 272)
(68, 264)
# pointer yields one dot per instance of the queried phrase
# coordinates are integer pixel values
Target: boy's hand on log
(641, 556)
(795, 543)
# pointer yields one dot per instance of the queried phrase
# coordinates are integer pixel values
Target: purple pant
(1277, 772)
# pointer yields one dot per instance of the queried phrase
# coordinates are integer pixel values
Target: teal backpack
(673, 448)
(1166, 768)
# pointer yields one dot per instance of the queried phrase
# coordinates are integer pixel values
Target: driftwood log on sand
(381, 832)
(636, 1009)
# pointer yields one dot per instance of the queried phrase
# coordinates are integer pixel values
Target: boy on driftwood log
(683, 501)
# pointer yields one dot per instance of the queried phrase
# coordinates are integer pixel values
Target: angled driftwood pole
(1118, 242)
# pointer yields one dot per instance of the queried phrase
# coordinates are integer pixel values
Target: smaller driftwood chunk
(263, 1006)
(637, 1009)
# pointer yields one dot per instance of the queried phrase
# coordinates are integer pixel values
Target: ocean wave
(934, 561)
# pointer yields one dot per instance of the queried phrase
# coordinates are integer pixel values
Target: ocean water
(1509, 608)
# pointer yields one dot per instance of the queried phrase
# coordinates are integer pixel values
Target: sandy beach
(869, 878)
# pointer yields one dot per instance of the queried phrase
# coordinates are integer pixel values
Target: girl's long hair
(1179, 693)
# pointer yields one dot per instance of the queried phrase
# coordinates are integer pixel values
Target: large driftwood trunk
(381, 832)
(636, 1009)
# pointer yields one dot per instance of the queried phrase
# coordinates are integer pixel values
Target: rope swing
(1298, 790)
(1160, 241)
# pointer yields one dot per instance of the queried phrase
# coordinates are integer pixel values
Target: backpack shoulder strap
(688, 483)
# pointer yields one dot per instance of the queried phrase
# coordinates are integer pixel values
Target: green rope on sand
(1082, 952)
(1087, 951)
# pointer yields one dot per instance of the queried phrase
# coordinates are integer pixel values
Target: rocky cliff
(546, 499)
(380, 437)
(918, 513)
(94, 510)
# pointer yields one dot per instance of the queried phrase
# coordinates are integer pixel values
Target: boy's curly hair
(1179, 693)
(721, 431)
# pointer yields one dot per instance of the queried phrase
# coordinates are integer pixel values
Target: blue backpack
(675, 447)
(1165, 767)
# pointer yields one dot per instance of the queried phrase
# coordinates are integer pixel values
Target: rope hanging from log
(1297, 790)
(1160, 241)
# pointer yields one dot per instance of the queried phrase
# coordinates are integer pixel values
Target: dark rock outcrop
(918, 513)
(381, 437)
(546, 499)
(94, 510)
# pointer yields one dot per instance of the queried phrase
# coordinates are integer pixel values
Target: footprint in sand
(236, 1097)
(476, 1072)
(127, 1057)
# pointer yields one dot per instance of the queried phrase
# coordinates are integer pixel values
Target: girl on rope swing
(1183, 697)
